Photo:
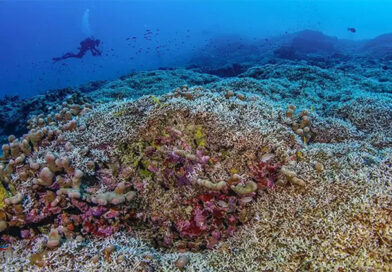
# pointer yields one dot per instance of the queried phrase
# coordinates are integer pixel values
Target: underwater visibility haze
(165, 135)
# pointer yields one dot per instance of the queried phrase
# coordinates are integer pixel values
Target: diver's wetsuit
(85, 45)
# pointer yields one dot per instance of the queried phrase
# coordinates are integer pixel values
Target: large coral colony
(198, 179)
(181, 174)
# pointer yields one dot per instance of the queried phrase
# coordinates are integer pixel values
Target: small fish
(3, 245)
(351, 29)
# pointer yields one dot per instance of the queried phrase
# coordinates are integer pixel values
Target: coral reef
(175, 160)
(153, 173)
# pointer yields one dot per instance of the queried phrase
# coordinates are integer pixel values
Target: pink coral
(264, 173)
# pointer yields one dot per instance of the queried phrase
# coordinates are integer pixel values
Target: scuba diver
(89, 44)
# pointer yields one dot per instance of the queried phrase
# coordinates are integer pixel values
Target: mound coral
(171, 167)
(173, 176)
(189, 171)
(301, 124)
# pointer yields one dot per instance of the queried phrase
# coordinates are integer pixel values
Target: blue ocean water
(148, 34)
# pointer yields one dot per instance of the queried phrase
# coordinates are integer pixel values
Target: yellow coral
(299, 155)
(155, 100)
(132, 154)
(119, 112)
(3, 196)
(199, 137)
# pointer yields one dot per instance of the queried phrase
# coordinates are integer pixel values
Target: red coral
(107, 178)
(264, 173)
(99, 228)
(200, 218)
(190, 230)
(209, 221)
